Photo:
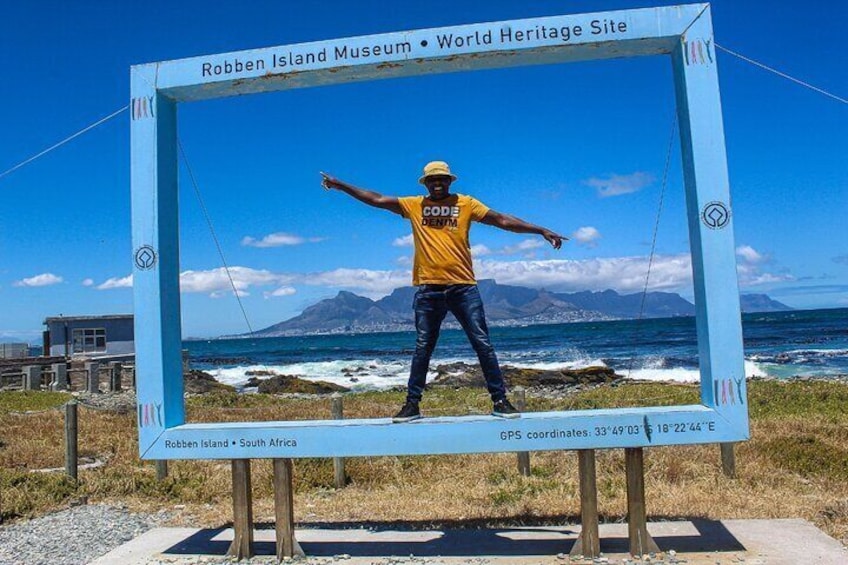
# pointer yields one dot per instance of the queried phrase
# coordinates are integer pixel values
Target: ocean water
(781, 345)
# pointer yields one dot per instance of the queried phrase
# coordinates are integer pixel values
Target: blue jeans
(431, 305)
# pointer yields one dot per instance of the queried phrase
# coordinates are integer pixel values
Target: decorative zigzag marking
(698, 52)
(143, 107)
(730, 393)
(150, 414)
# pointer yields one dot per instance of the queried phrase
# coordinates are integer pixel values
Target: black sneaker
(408, 413)
(503, 409)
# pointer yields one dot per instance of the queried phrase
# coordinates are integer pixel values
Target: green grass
(809, 457)
(797, 460)
(30, 400)
(30, 494)
(825, 401)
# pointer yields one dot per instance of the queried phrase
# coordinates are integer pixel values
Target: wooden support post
(242, 546)
(337, 410)
(71, 439)
(589, 542)
(287, 545)
(93, 382)
(641, 542)
(115, 371)
(161, 469)
(523, 456)
(728, 460)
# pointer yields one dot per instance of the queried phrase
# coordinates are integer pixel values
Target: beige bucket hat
(437, 169)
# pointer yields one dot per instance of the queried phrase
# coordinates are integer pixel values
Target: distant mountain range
(505, 306)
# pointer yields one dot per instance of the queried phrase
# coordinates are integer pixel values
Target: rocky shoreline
(535, 382)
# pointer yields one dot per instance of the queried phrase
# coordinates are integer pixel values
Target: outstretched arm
(513, 224)
(369, 197)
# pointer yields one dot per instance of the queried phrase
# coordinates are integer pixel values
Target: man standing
(444, 275)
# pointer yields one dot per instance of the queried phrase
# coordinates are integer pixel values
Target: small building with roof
(89, 336)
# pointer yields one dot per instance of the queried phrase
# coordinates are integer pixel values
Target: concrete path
(701, 542)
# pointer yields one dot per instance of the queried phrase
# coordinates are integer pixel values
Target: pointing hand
(554, 239)
(328, 182)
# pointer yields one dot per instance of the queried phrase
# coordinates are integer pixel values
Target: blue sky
(578, 148)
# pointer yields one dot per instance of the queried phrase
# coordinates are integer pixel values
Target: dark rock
(459, 374)
(287, 383)
(260, 373)
(218, 361)
(198, 382)
(464, 375)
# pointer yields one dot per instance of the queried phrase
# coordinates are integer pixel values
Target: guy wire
(63, 142)
(214, 235)
(656, 229)
(784, 75)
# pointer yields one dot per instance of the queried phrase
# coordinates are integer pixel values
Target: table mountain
(505, 305)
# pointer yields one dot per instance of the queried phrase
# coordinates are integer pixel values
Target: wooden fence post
(242, 546)
(161, 469)
(287, 545)
(523, 456)
(728, 460)
(589, 542)
(641, 542)
(71, 464)
(337, 410)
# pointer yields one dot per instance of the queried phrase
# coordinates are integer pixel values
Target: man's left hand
(554, 239)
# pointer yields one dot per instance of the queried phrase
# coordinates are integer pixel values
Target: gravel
(123, 401)
(74, 536)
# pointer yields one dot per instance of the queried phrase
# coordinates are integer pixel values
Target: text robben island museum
(289, 60)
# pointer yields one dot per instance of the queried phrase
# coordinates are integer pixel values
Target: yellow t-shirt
(440, 232)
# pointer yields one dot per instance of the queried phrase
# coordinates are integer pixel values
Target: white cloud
(749, 268)
(116, 282)
(223, 293)
(44, 279)
(480, 250)
(278, 239)
(614, 185)
(282, 291)
(405, 241)
(624, 274)
(750, 275)
(216, 283)
(586, 235)
(672, 273)
(371, 283)
(522, 246)
(217, 280)
(750, 255)
(88, 282)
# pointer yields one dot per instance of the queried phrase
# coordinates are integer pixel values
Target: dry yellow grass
(795, 465)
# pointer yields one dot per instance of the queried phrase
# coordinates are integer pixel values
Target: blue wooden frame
(682, 32)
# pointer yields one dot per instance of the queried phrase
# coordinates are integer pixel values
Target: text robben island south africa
(284, 61)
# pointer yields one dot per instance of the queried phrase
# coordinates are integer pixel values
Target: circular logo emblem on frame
(145, 257)
(715, 215)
